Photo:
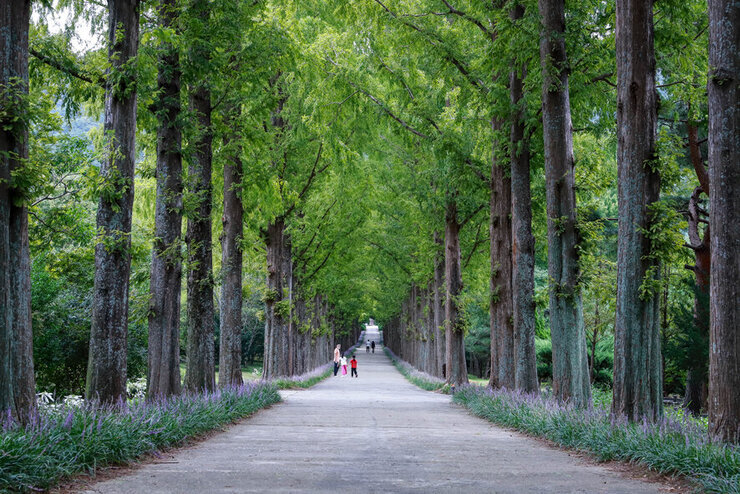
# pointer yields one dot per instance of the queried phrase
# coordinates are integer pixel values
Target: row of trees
(182, 83)
(360, 156)
(645, 83)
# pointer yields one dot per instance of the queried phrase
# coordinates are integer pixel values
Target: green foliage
(686, 344)
(543, 350)
(72, 441)
(677, 445)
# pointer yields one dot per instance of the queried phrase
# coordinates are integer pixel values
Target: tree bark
(24, 382)
(525, 377)
(569, 357)
(724, 217)
(697, 383)
(200, 372)
(276, 337)
(230, 354)
(17, 384)
(637, 356)
(106, 369)
(457, 372)
(438, 302)
(163, 376)
(501, 311)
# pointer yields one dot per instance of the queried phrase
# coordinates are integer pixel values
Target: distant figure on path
(353, 364)
(337, 355)
(344, 366)
(372, 345)
(367, 347)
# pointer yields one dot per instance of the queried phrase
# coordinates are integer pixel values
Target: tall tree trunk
(200, 372)
(106, 368)
(7, 401)
(569, 357)
(457, 372)
(276, 341)
(17, 384)
(163, 377)
(637, 356)
(697, 376)
(697, 382)
(525, 377)
(24, 382)
(439, 337)
(594, 341)
(724, 199)
(288, 344)
(501, 311)
(230, 354)
(279, 272)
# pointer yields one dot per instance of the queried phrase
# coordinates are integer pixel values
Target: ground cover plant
(414, 376)
(676, 444)
(77, 438)
(305, 380)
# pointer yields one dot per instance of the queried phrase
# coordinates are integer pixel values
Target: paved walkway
(377, 433)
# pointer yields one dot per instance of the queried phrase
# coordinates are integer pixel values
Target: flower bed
(677, 444)
(414, 376)
(70, 439)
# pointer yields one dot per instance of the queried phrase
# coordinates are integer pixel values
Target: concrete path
(376, 433)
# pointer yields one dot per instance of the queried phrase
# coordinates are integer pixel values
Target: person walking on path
(367, 347)
(353, 364)
(344, 365)
(337, 355)
(372, 345)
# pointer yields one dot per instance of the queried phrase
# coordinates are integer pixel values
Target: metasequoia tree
(569, 360)
(697, 389)
(638, 390)
(17, 385)
(501, 310)
(724, 178)
(200, 367)
(106, 370)
(457, 372)
(525, 364)
(163, 377)
(230, 348)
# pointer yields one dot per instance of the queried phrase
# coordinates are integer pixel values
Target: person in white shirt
(337, 355)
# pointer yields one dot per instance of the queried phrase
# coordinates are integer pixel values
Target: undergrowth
(677, 444)
(414, 376)
(67, 441)
(305, 380)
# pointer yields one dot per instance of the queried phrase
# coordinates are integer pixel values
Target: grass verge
(414, 376)
(675, 445)
(71, 441)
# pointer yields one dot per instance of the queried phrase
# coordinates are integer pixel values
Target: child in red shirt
(353, 364)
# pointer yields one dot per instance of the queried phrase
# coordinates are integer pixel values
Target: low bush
(69, 440)
(677, 444)
(414, 376)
